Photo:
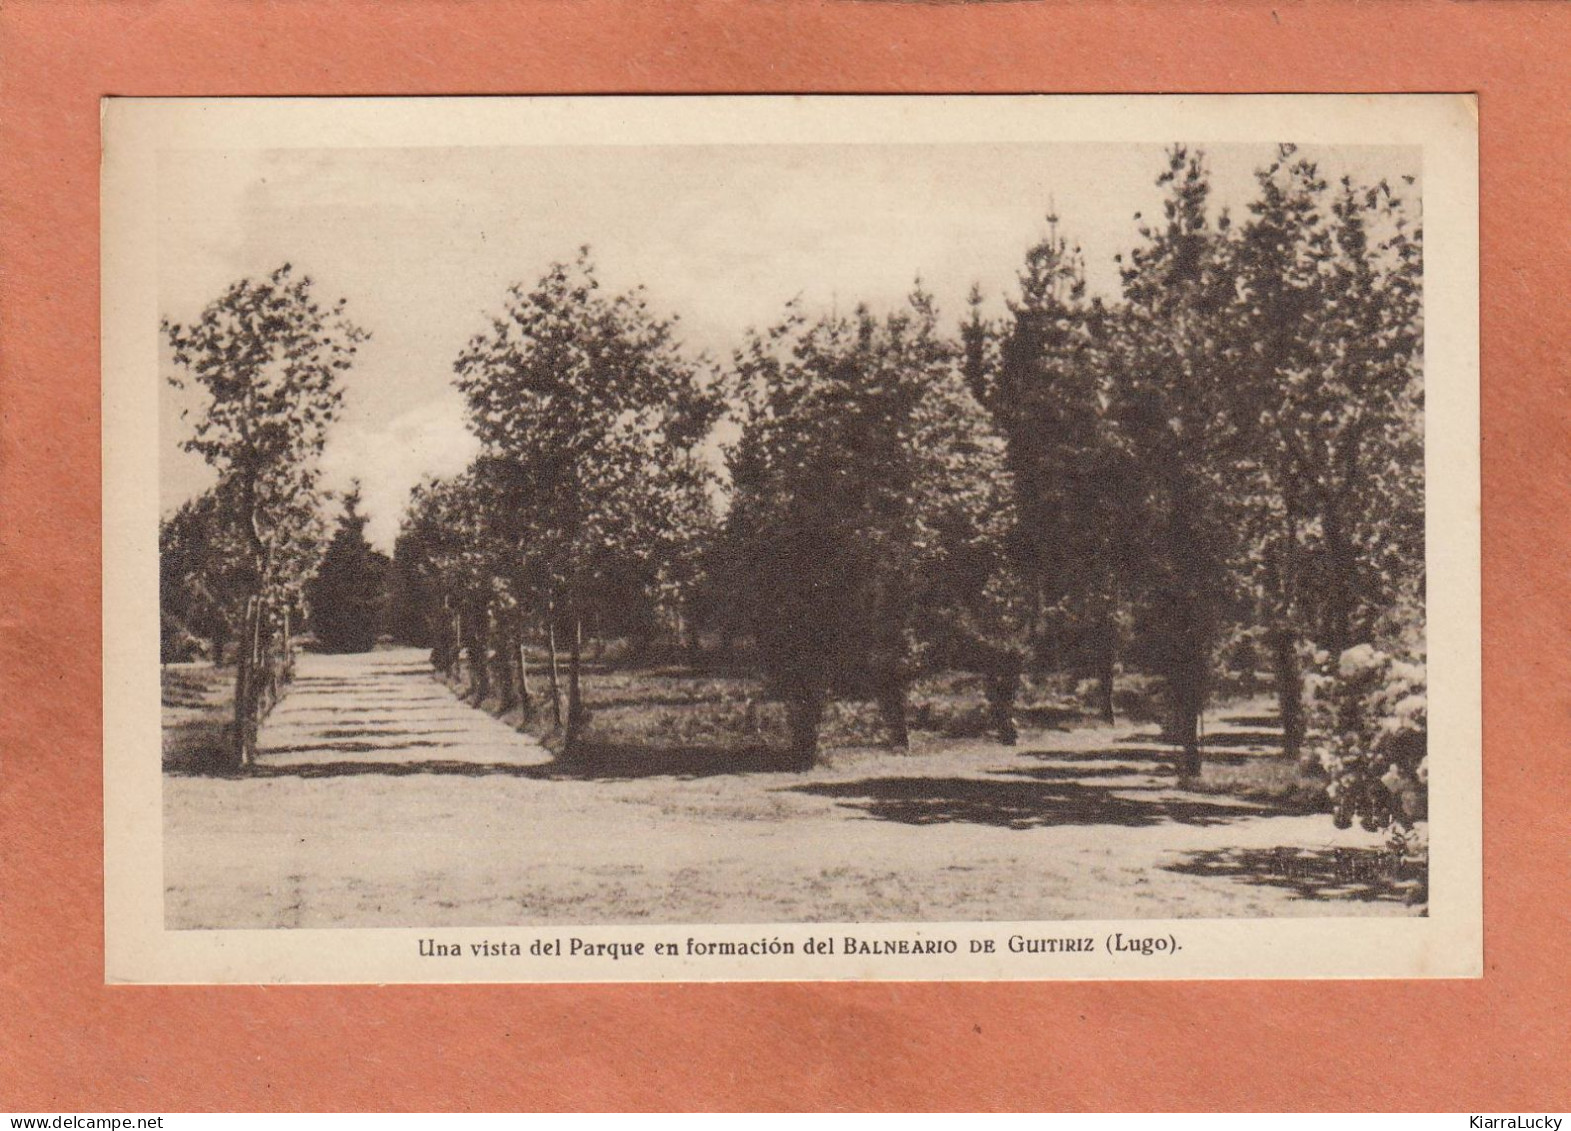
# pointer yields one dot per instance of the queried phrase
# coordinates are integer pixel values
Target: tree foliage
(202, 579)
(870, 502)
(347, 596)
(269, 358)
(1170, 391)
(1048, 389)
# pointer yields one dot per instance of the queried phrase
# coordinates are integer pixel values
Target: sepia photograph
(816, 533)
(764, 557)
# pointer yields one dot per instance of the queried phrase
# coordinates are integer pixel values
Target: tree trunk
(1186, 723)
(1189, 739)
(1040, 645)
(520, 659)
(438, 634)
(892, 707)
(1344, 568)
(479, 672)
(289, 648)
(255, 681)
(804, 711)
(1106, 659)
(1289, 693)
(502, 661)
(271, 665)
(1189, 626)
(556, 678)
(240, 752)
(220, 641)
(1003, 685)
(1102, 613)
(245, 688)
(577, 715)
(1288, 669)
(693, 643)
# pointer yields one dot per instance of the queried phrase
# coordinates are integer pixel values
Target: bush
(1371, 718)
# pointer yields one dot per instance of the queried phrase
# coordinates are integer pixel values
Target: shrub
(1371, 717)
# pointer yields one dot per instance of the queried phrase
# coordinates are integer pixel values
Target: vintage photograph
(612, 533)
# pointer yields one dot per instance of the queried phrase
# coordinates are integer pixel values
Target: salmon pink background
(69, 1043)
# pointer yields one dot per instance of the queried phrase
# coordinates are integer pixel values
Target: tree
(1169, 396)
(1362, 428)
(587, 407)
(347, 597)
(200, 579)
(1330, 391)
(459, 566)
(410, 597)
(867, 483)
(1278, 260)
(269, 359)
(1047, 390)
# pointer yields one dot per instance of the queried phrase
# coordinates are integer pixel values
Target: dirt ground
(382, 800)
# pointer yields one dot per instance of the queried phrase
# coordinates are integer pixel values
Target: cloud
(429, 439)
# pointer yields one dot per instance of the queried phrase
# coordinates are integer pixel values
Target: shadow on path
(353, 747)
(1211, 739)
(364, 732)
(1016, 804)
(1267, 722)
(1365, 874)
(1137, 776)
(429, 767)
(1151, 750)
(613, 761)
(598, 762)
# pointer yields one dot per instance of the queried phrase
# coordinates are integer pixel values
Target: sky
(425, 242)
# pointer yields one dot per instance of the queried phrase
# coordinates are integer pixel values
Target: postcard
(572, 539)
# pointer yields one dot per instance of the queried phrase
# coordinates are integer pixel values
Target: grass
(1278, 781)
(665, 717)
(667, 708)
(198, 714)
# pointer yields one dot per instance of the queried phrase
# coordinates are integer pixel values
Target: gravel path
(383, 708)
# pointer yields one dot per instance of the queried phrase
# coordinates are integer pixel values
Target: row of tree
(267, 358)
(591, 501)
(1229, 454)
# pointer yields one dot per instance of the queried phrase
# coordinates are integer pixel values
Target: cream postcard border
(138, 948)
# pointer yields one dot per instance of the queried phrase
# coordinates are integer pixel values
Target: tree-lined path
(869, 617)
(383, 708)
